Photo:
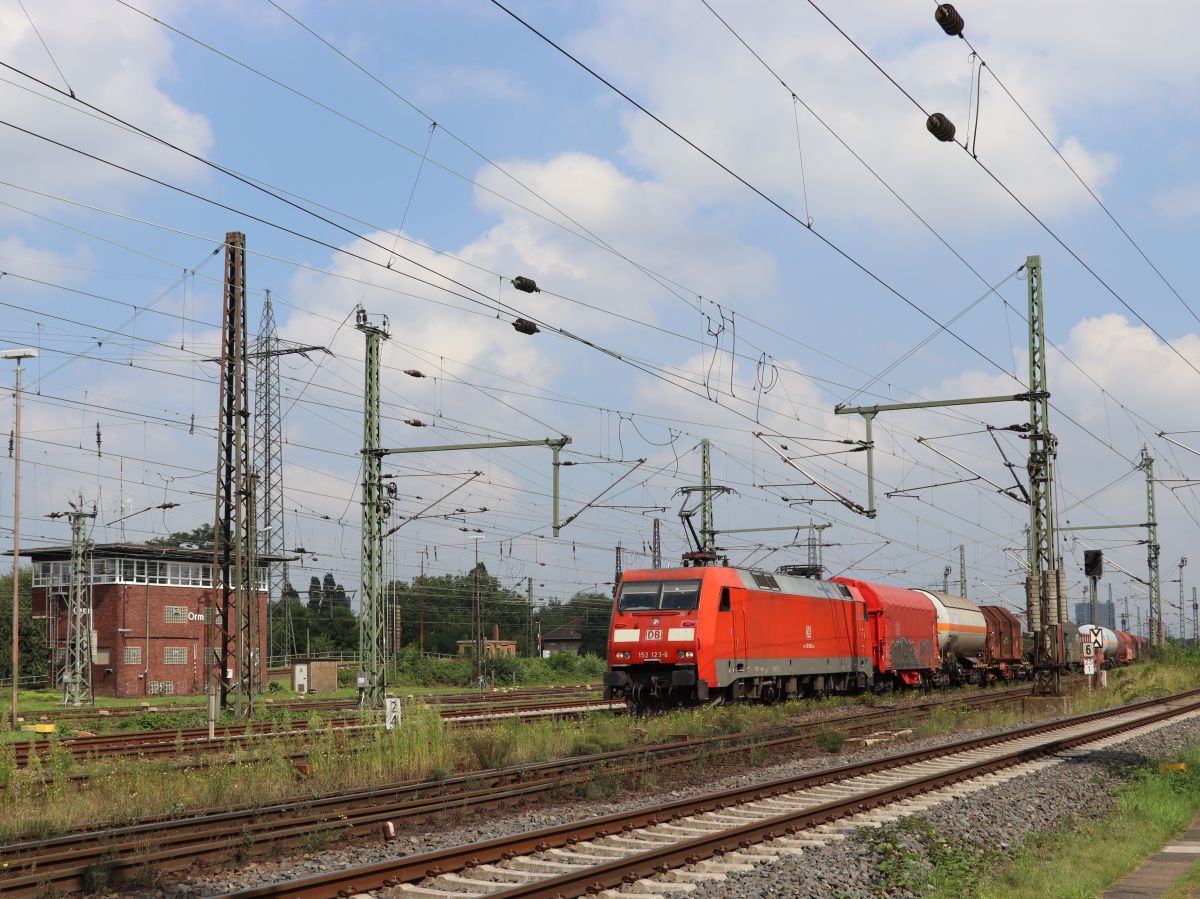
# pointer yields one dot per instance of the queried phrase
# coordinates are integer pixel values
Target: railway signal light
(1093, 563)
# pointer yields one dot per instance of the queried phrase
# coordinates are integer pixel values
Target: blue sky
(648, 250)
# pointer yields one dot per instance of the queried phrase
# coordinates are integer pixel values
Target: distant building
(564, 638)
(150, 606)
(490, 647)
(1107, 610)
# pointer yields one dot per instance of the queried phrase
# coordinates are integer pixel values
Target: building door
(300, 678)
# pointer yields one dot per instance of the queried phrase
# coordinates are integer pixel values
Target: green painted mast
(371, 632)
(1041, 588)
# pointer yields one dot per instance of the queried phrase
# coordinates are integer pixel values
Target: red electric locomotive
(710, 634)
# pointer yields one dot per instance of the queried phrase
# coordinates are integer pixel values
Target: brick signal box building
(149, 607)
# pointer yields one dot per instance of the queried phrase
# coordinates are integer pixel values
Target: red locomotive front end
(655, 638)
(688, 635)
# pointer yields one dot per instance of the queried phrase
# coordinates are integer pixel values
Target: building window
(129, 571)
(176, 614)
(133, 655)
(167, 687)
(175, 655)
(153, 687)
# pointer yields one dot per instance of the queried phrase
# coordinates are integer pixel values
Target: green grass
(126, 790)
(1089, 855)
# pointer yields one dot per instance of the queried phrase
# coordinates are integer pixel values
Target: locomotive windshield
(647, 596)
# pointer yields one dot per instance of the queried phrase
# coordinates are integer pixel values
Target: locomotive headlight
(623, 655)
(687, 654)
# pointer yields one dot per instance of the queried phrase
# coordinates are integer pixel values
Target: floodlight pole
(17, 356)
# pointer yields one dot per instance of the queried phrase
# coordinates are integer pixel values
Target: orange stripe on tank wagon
(966, 628)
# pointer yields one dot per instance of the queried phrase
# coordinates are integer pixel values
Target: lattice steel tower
(707, 537)
(1153, 579)
(77, 672)
(268, 454)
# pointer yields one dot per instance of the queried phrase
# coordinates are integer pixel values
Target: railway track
(69, 863)
(316, 705)
(172, 742)
(663, 849)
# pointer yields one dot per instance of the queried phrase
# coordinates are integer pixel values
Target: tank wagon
(1112, 648)
(711, 634)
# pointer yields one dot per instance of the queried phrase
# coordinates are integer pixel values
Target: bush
(491, 748)
(830, 739)
(415, 670)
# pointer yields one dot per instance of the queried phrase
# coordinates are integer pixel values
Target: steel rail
(167, 742)
(305, 705)
(393, 872)
(64, 862)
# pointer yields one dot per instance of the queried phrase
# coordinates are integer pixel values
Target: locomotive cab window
(680, 595)
(724, 606)
(639, 596)
(649, 596)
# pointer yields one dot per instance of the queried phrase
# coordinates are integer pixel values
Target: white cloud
(112, 58)
(19, 256)
(687, 68)
(441, 83)
(1180, 202)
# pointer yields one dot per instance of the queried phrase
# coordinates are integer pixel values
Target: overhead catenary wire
(1050, 232)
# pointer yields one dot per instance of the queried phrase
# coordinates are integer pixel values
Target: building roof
(568, 631)
(139, 551)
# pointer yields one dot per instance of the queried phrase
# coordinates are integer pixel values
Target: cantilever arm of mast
(280, 351)
(555, 443)
(844, 500)
(1007, 491)
(936, 404)
(591, 503)
(1101, 527)
(789, 527)
(1165, 435)
(869, 412)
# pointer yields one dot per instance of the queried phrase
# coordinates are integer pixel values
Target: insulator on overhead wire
(527, 285)
(415, 422)
(940, 127)
(414, 373)
(525, 326)
(949, 18)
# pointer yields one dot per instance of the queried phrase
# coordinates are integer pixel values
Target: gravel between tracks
(852, 865)
(982, 826)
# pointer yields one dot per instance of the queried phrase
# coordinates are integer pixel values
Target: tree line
(434, 613)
